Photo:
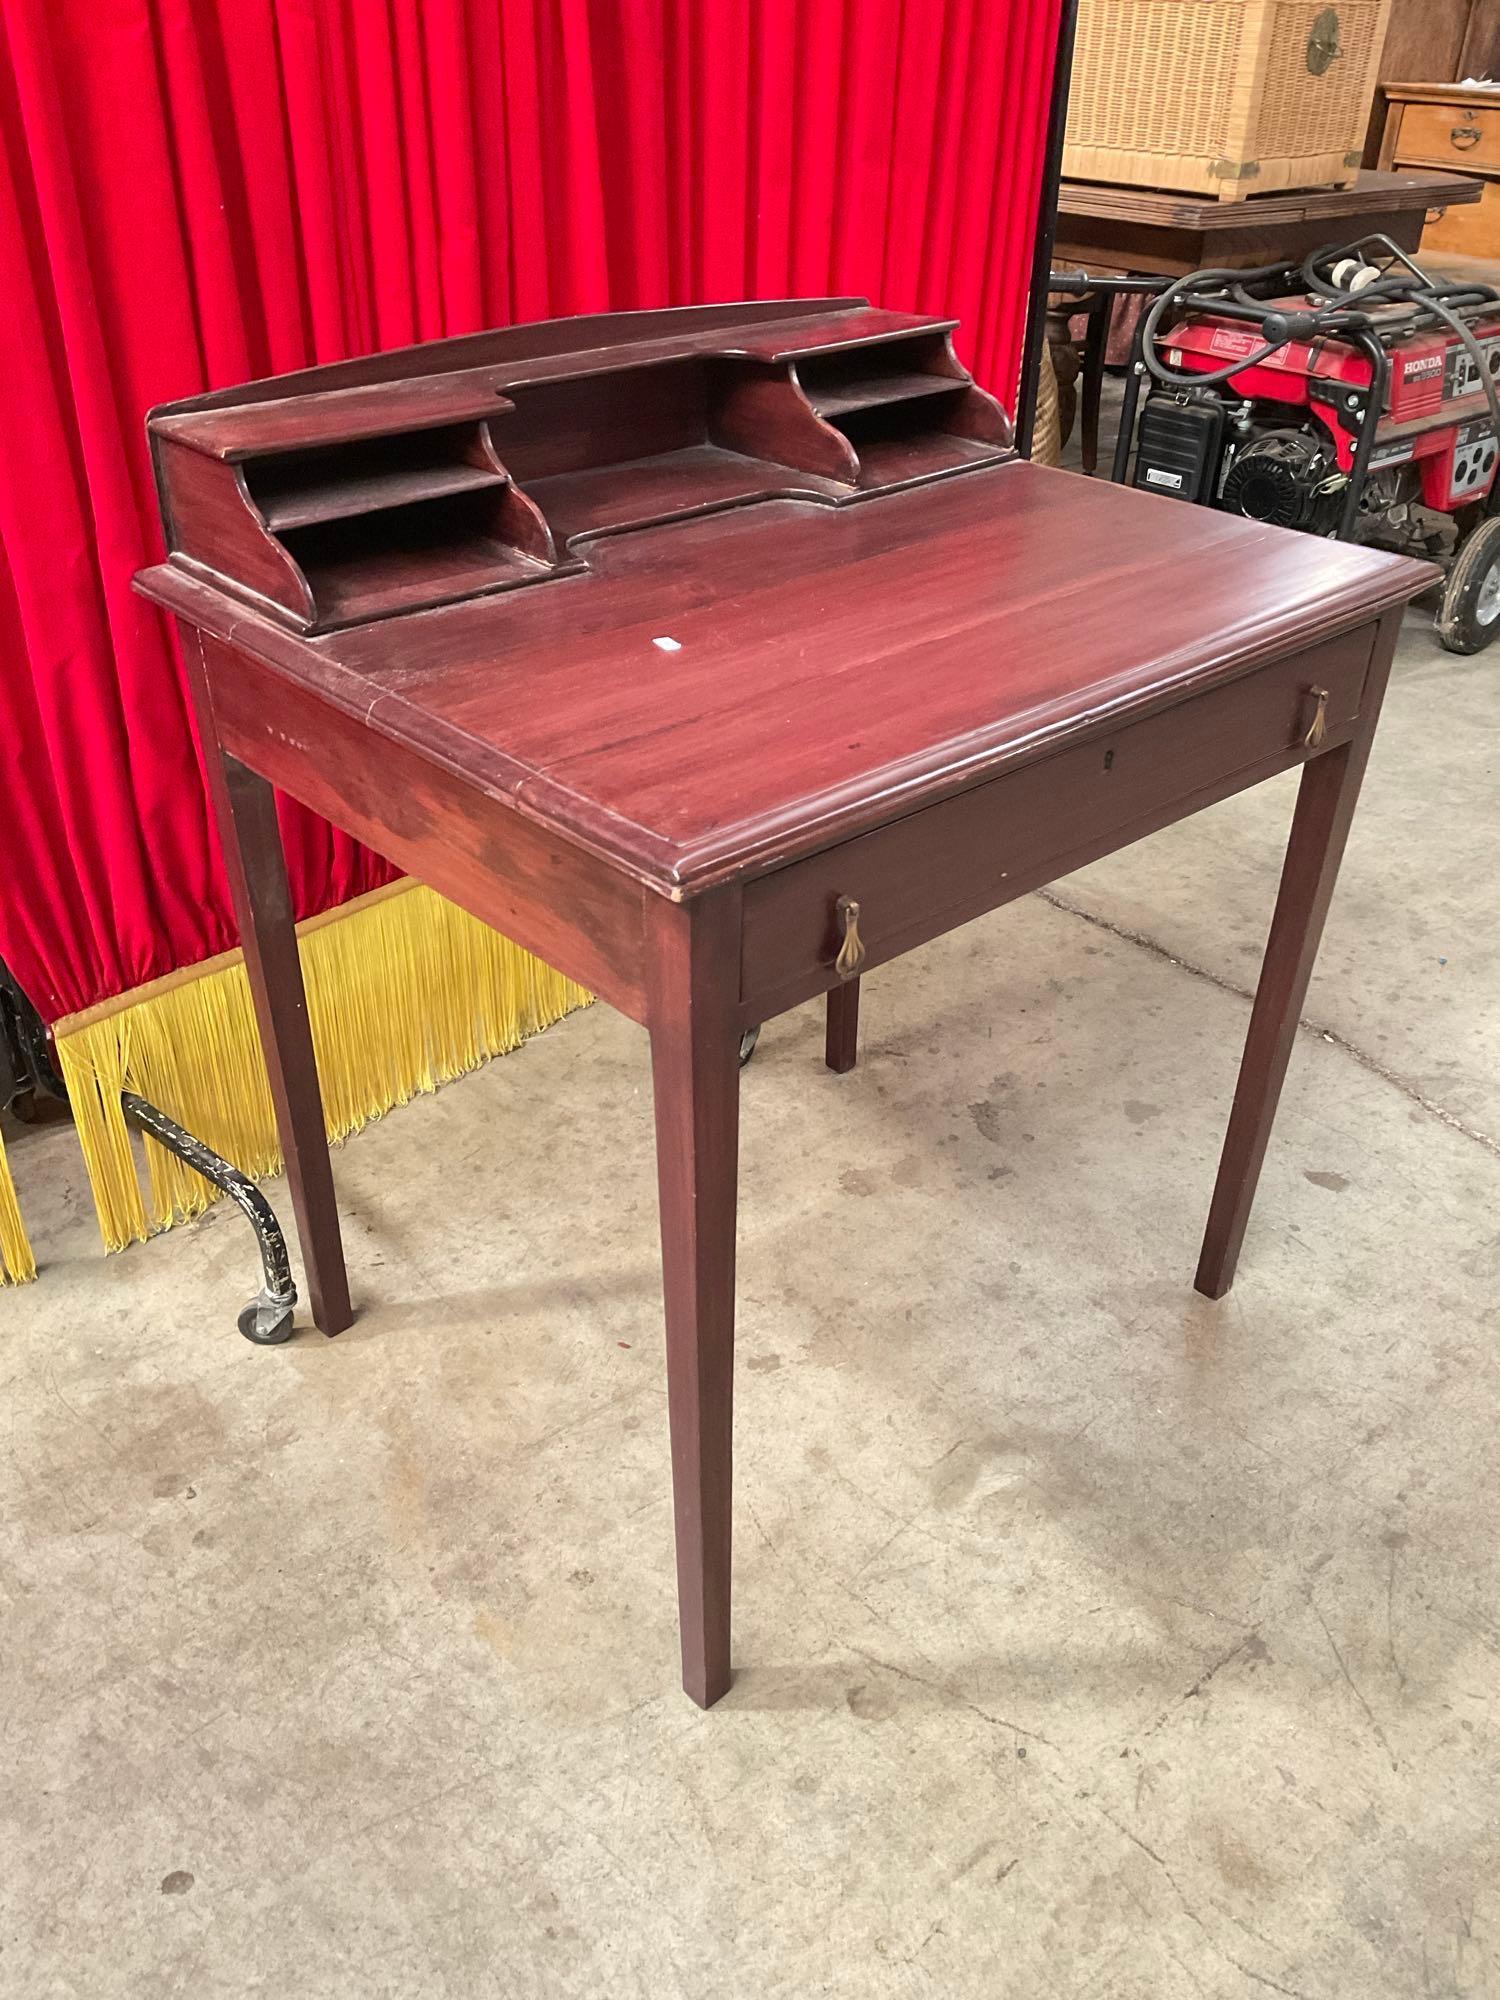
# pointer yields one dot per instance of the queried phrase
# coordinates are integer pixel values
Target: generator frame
(1365, 340)
(1224, 298)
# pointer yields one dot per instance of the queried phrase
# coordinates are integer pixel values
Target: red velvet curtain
(195, 192)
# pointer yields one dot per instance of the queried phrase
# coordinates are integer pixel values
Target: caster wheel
(1469, 617)
(747, 1044)
(266, 1323)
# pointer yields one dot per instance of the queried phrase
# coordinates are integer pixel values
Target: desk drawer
(944, 864)
(1449, 135)
(1468, 230)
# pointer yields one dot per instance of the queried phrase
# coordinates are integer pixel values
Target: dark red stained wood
(841, 1035)
(550, 896)
(765, 413)
(662, 762)
(923, 873)
(411, 557)
(917, 454)
(695, 1070)
(215, 523)
(263, 904)
(525, 526)
(596, 441)
(1320, 827)
(828, 333)
(337, 416)
(245, 808)
(959, 627)
(603, 420)
(978, 416)
(340, 499)
(938, 614)
(644, 490)
(868, 392)
(531, 352)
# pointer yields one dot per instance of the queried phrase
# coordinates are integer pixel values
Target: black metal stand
(267, 1319)
(1046, 229)
(25, 1059)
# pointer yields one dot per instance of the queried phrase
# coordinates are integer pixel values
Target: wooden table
(1144, 231)
(716, 760)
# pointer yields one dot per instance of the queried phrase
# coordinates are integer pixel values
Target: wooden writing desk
(717, 656)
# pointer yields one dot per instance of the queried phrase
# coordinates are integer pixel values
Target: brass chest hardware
(852, 951)
(1323, 45)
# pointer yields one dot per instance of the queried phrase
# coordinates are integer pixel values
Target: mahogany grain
(595, 440)
(695, 1070)
(841, 1033)
(1320, 826)
(246, 810)
(748, 673)
(558, 901)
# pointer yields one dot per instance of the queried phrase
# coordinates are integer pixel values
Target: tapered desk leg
(1320, 827)
(841, 1043)
(263, 904)
(245, 809)
(696, 1078)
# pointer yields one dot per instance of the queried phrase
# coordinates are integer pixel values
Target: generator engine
(1289, 477)
(1352, 395)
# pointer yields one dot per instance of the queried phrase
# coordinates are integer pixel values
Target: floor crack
(952, 1694)
(1380, 1735)
(1249, 1971)
(1351, 1049)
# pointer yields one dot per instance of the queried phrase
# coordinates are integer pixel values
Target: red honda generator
(1352, 395)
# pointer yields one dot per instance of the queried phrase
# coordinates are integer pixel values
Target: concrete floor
(1092, 1640)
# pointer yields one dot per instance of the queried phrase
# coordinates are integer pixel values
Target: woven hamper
(1222, 97)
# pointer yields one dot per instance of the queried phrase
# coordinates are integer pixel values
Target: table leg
(246, 807)
(1320, 827)
(1095, 348)
(696, 1079)
(841, 1041)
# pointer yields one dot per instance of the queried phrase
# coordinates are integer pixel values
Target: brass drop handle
(1465, 136)
(852, 951)
(1318, 728)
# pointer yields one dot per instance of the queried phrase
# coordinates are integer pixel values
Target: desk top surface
(1374, 192)
(710, 697)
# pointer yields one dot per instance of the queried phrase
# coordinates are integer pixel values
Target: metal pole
(1046, 231)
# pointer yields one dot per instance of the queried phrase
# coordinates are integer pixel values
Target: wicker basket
(1222, 97)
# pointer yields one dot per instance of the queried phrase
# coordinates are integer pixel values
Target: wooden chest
(1222, 97)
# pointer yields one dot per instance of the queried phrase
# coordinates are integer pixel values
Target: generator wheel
(1469, 616)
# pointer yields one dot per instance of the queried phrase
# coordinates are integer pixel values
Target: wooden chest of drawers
(1443, 125)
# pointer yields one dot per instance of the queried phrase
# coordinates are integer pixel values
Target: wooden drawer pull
(1318, 728)
(1465, 136)
(852, 951)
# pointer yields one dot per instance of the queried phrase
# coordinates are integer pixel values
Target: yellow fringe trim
(405, 992)
(17, 1264)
